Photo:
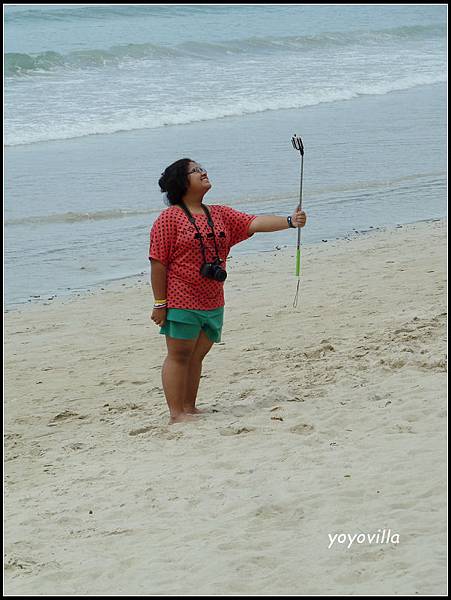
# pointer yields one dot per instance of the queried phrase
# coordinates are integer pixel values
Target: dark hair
(174, 181)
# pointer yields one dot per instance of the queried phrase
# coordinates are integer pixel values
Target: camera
(213, 270)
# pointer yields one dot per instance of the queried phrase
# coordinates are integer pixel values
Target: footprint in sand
(302, 428)
(21, 565)
(246, 393)
(320, 351)
(439, 364)
(157, 431)
(123, 407)
(64, 416)
(235, 430)
(271, 399)
(240, 410)
(284, 513)
(402, 429)
(76, 446)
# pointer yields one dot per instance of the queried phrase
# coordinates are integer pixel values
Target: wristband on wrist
(160, 303)
(290, 224)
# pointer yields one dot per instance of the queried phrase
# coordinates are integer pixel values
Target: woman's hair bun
(174, 181)
(162, 183)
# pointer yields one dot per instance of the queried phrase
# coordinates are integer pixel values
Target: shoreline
(349, 183)
(109, 284)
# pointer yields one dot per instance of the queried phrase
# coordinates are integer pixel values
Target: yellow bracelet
(160, 301)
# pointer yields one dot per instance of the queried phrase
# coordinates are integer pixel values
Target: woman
(188, 252)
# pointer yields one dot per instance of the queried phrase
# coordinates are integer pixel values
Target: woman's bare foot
(194, 411)
(181, 418)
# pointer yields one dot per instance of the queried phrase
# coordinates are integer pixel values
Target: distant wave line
(319, 196)
(95, 13)
(17, 64)
(77, 217)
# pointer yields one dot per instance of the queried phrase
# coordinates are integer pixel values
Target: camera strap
(199, 235)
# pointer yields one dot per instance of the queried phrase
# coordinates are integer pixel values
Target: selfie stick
(298, 145)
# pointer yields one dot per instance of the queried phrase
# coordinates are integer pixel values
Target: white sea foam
(138, 119)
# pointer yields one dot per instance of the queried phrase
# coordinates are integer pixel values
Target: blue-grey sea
(99, 99)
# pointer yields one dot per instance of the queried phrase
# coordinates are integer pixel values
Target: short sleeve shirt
(173, 243)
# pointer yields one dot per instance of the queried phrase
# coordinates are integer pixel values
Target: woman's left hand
(299, 218)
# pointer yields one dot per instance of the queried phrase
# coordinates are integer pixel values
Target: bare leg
(201, 349)
(192, 385)
(174, 376)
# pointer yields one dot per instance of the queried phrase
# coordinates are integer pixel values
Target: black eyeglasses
(197, 170)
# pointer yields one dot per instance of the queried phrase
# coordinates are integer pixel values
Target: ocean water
(100, 99)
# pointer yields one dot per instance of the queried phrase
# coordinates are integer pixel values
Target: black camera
(213, 270)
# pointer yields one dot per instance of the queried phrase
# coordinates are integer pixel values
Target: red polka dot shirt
(172, 242)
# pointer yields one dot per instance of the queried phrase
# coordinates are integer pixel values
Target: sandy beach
(321, 420)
